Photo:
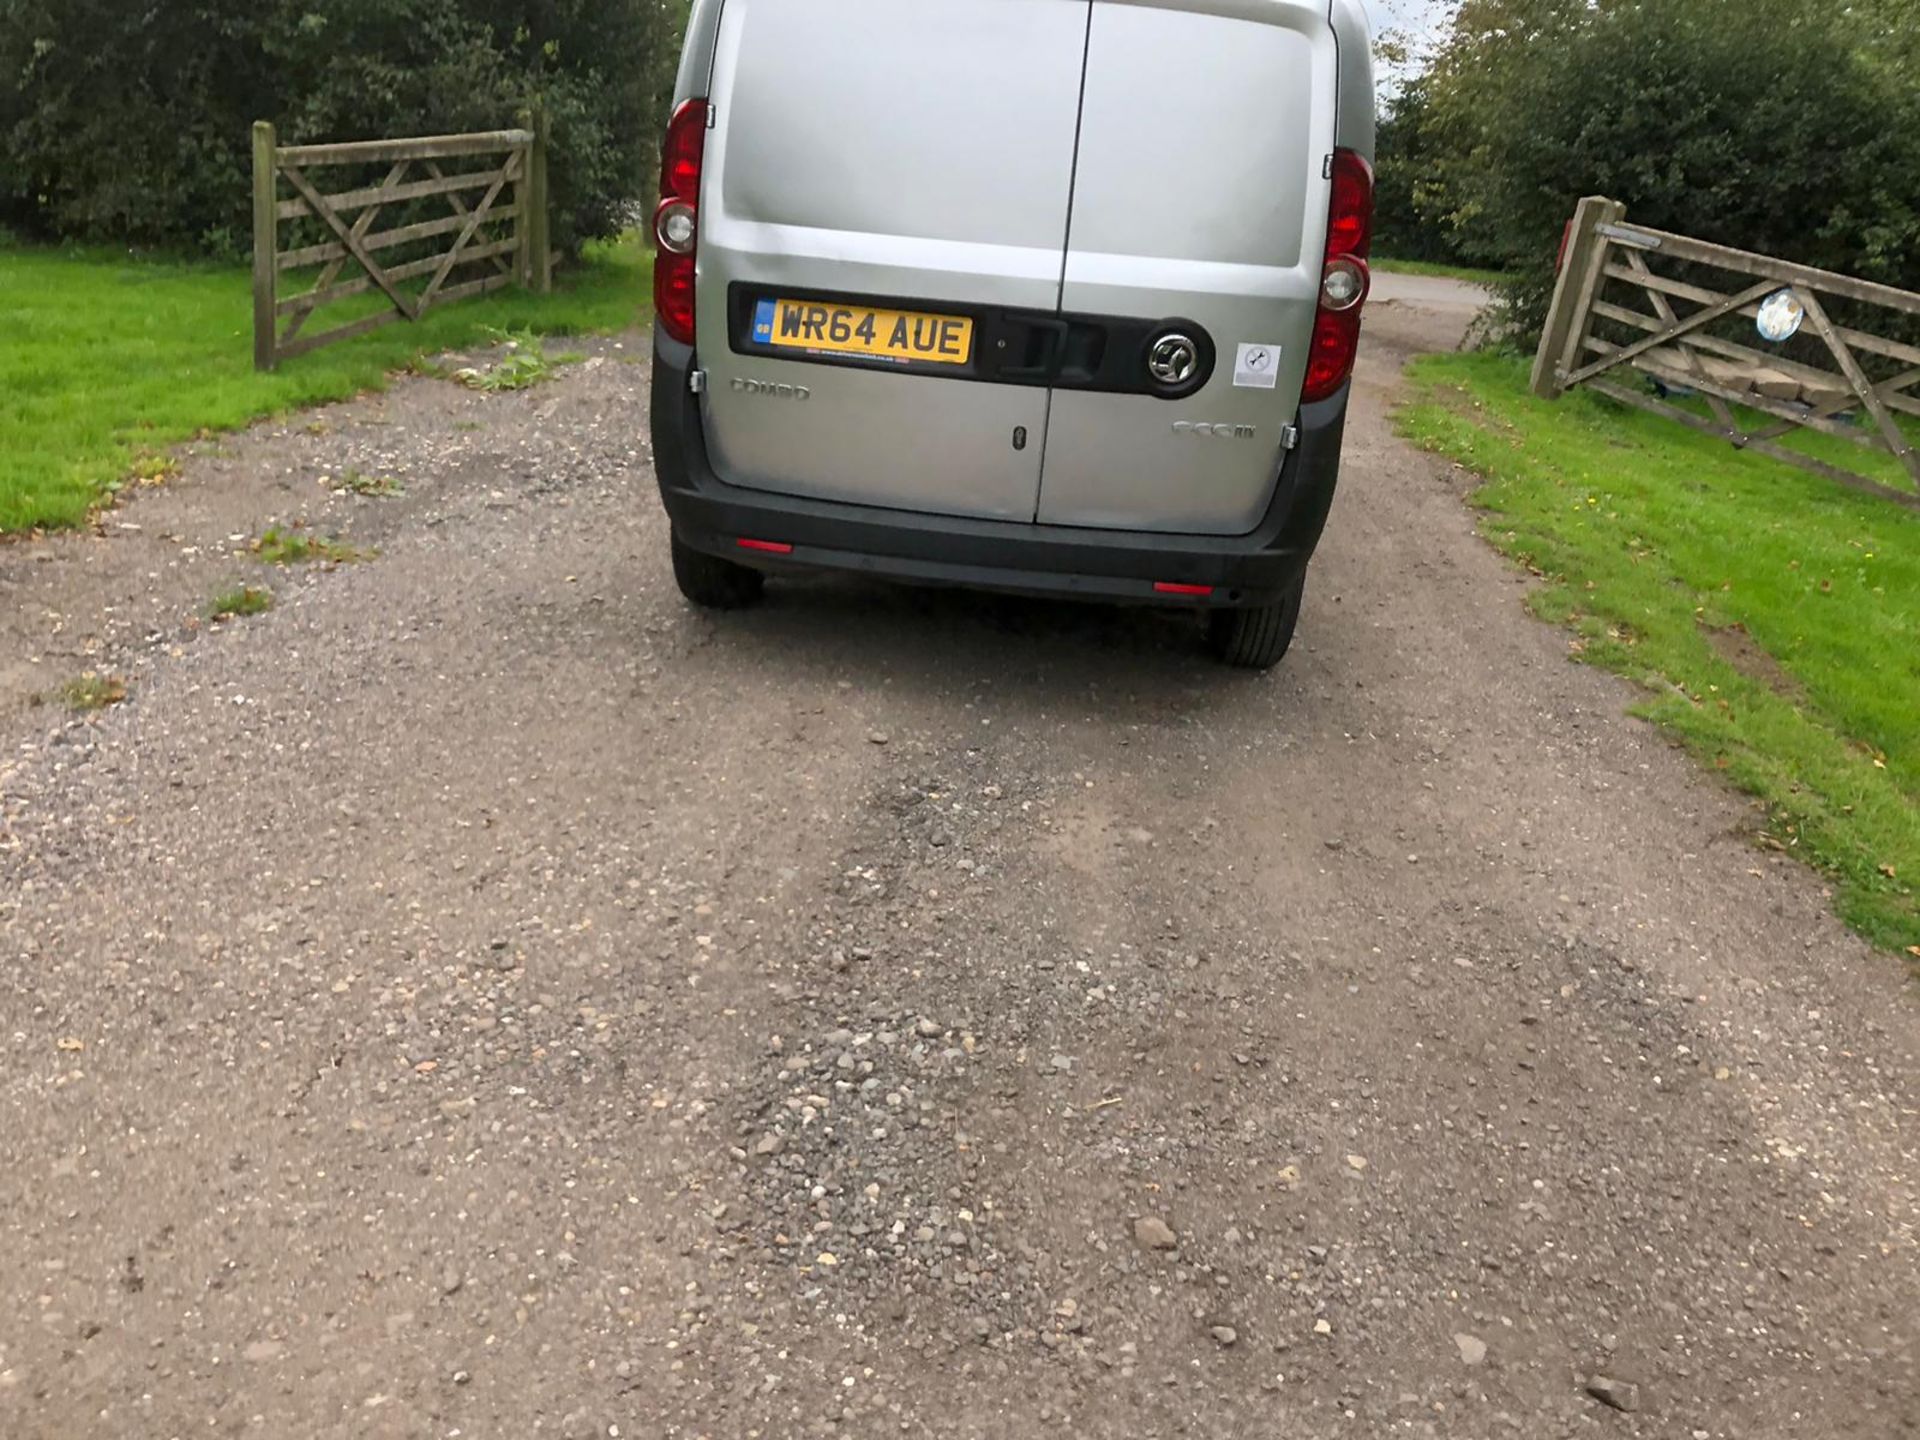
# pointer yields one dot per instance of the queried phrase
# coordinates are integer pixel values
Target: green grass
(106, 360)
(358, 482)
(525, 363)
(296, 547)
(1433, 267)
(1772, 617)
(240, 600)
(90, 692)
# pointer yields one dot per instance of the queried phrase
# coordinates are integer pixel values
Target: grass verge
(1469, 273)
(1772, 618)
(108, 360)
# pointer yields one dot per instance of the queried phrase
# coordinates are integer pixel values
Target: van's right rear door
(911, 155)
(1201, 195)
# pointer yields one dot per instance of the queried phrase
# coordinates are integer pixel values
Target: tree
(131, 123)
(1407, 180)
(1771, 125)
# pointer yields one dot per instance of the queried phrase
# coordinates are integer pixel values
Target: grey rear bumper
(1068, 561)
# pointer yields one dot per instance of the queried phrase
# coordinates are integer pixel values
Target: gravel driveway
(482, 997)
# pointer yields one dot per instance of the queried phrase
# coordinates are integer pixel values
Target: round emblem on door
(1173, 359)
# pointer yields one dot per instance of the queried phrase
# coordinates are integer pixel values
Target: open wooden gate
(1853, 380)
(505, 239)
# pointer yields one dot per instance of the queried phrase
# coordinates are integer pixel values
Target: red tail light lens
(1350, 216)
(1343, 277)
(676, 222)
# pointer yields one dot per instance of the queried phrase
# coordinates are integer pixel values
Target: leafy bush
(1789, 127)
(131, 123)
(1405, 181)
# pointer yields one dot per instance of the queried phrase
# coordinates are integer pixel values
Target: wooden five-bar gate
(492, 184)
(1837, 354)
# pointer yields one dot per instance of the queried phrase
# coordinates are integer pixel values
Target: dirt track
(483, 998)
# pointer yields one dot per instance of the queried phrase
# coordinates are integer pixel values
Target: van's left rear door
(908, 156)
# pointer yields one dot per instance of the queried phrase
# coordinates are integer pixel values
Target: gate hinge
(1326, 166)
(697, 382)
(713, 117)
(1289, 436)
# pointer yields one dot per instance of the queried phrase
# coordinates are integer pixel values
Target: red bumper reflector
(1172, 587)
(771, 547)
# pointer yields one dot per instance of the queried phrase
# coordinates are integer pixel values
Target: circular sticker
(1780, 316)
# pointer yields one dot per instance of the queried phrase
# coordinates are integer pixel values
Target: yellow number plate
(907, 337)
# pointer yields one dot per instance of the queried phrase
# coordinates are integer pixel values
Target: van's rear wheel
(713, 583)
(1256, 638)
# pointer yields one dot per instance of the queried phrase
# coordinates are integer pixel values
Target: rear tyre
(713, 583)
(1256, 638)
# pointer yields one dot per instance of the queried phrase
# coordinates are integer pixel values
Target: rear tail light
(676, 223)
(1343, 277)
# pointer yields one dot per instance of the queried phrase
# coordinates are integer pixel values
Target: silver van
(1057, 297)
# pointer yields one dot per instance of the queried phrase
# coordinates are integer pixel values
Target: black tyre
(1256, 638)
(713, 583)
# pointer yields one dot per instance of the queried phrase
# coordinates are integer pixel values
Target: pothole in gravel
(943, 1022)
(861, 1175)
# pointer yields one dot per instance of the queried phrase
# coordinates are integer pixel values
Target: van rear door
(1199, 195)
(878, 172)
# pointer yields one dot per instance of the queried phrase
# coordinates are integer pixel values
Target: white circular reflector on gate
(1780, 316)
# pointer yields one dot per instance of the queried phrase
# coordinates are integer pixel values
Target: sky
(1421, 19)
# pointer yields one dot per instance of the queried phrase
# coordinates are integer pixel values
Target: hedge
(130, 123)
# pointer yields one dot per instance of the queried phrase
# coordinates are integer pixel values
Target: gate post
(523, 218)
(539, 236)
(1573, 293)
(266, 244)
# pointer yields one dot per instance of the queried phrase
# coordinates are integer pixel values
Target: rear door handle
(1040, 348)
